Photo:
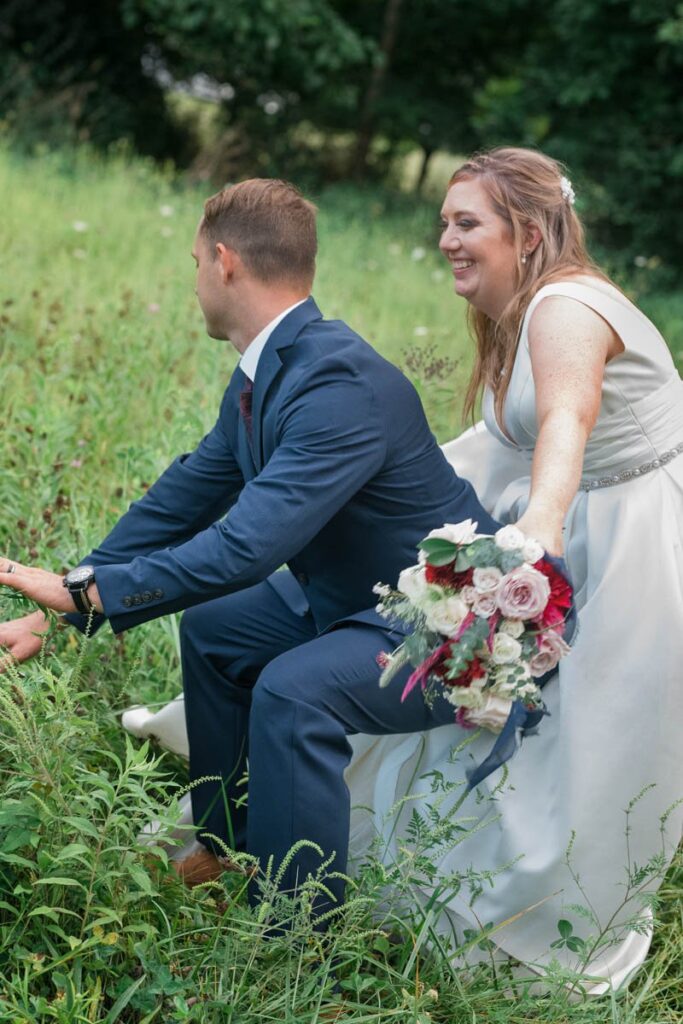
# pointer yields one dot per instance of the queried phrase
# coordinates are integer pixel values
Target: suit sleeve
(197, 489)
(329, 445)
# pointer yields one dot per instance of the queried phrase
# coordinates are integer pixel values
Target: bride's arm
(569, 345)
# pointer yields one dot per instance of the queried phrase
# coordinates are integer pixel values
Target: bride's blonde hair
(525, 188)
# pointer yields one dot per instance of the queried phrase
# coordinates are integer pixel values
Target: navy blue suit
(339, 479)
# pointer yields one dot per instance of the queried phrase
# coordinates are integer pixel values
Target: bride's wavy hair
(524, 188)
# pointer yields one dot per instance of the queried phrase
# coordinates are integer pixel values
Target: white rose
(512, 627)
(532, 550)
(486, 580)
(413, 583)
(505, 649)
(457, 533)
(468, 594)
(493, 715)
(484, 604)
(509, 538)
(445, 616)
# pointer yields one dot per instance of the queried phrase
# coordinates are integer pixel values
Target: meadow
(106, 374)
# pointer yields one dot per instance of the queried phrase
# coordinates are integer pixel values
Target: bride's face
(478, 244)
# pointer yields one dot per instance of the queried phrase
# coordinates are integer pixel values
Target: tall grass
(105, 374)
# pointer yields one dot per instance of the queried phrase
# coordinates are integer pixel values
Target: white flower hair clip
(567, 191)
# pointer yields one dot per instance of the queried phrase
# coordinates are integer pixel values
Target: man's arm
(330, 444)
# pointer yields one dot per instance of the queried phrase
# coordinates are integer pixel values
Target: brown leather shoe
(203, 866)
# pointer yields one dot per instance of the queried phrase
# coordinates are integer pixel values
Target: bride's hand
(549, 537)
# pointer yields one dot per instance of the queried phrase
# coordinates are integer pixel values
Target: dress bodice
(641, 411)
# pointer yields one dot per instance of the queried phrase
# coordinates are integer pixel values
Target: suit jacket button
(146, 596)
(127, 602)
(158, 594)
(137, 599)
(302, 578)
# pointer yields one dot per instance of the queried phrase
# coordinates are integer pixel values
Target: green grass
(106, 374)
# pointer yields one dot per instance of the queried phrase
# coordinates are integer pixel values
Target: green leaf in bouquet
(463, 561)
(511, 560)
(438, 551)
(418, 647)
(483, 553)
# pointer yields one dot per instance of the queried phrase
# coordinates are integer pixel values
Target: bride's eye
(466, 224)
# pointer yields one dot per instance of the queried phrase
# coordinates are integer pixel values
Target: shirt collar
(252, 353)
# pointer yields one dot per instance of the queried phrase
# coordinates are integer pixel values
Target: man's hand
(22, 639)
(45, 588)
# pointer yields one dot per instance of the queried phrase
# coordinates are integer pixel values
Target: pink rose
(486, 580)
(493, 715)
(522, 593)
(551, 647)
(484, 605)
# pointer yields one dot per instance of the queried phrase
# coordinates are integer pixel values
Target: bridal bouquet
(488, 617)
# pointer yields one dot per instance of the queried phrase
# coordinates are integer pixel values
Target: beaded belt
(631, 474)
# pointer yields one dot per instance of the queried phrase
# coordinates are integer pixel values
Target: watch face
(79, 575)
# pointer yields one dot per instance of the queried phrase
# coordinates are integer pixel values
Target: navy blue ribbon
(521, 721)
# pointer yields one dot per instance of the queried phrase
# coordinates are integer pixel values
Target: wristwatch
(77, 582)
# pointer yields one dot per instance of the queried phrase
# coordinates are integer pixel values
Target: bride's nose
(449, 241)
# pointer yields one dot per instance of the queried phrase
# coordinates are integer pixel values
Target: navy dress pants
(261, 683)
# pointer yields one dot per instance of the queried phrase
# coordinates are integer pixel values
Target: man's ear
(532, 237)
(227, 261)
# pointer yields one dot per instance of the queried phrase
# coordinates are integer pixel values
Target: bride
(583, 426)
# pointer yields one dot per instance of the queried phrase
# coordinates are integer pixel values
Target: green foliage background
(593, 82)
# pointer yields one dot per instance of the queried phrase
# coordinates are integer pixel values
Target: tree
(598, 86)
(67, 75)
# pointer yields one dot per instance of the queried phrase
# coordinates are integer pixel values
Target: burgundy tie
(246, 396)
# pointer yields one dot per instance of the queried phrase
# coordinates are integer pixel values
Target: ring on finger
(11, 568)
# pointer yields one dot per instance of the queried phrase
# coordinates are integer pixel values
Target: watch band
(83, 603)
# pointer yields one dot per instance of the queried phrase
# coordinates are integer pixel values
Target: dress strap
(637, 333)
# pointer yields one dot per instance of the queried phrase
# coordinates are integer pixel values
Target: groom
(321, 459)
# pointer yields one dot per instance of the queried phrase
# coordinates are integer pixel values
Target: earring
(525, 257)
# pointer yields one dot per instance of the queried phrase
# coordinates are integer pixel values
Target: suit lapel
(270, 363)
(245, 453)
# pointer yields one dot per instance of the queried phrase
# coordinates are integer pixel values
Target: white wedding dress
(617, 704)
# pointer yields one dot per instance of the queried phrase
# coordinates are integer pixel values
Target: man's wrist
(93, 595)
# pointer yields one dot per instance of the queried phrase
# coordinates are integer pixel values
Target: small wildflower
(418, 253)
(76, 463)
(80, 226)
(421, 332)
(640, 261)
(166, 210)
(153, 307)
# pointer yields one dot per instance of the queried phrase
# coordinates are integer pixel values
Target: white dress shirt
(252, 353)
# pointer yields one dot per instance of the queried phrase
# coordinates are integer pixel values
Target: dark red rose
(560, 599)
(446, 576)
(475, 670)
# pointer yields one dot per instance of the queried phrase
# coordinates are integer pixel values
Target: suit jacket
(340, 480)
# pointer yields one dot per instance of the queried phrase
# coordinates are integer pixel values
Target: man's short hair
(269, 224)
